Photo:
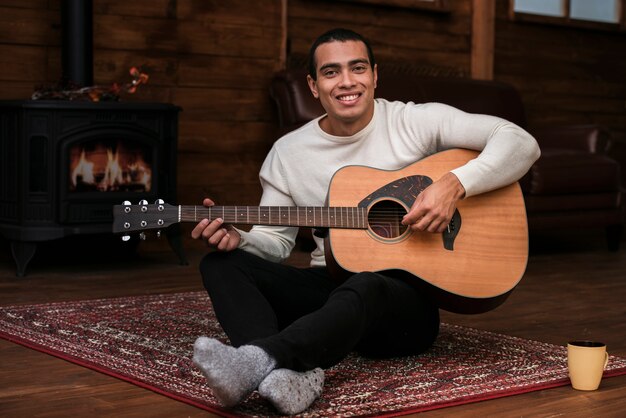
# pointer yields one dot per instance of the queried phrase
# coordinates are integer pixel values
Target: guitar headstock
(129, 218)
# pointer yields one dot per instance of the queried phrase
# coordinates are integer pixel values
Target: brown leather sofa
(573, 185)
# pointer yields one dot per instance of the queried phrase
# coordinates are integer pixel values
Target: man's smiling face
(345, 86)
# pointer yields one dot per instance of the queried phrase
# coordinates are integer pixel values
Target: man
(287, 324)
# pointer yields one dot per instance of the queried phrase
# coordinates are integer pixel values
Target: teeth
(350, 97)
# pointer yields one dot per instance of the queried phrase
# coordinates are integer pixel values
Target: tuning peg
(143, 202)
(159, 201)
(126, 238)
(126, 203)
(142, 236)
(158, 234)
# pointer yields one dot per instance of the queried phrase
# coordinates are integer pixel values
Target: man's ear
(375, 75)
(312, 86)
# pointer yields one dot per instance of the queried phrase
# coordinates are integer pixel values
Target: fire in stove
(104, 168)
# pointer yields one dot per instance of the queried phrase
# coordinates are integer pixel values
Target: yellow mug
(586, 361)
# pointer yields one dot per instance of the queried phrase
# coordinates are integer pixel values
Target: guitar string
(382, 215)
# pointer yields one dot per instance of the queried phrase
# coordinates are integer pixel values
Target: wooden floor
(573, 289)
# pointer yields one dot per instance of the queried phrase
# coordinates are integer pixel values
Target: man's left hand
(434, 206)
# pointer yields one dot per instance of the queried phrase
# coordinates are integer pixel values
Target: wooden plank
(16, 90)
(223, 104)
(483, 33)
(339, 14)
(305, 33)
(229, 40)
(226, 137)
(29, 26)
(25, 4)
(236, 12)
(137, 8)
(225, 72)
(214, 168)
(185, 37)
(23, 63)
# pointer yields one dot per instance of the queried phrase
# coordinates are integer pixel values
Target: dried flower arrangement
(70, 91)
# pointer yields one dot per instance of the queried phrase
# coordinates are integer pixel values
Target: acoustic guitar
(471, 267)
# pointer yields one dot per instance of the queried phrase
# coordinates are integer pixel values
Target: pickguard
(406, 190)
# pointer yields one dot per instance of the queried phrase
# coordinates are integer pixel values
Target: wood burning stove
(64, 164)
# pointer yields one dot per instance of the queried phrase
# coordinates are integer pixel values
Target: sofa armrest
(587, 138)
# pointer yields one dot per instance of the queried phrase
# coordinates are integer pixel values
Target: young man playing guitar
(287, 324)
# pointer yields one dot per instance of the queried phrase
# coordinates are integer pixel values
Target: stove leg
(173, 238)
(22, 252)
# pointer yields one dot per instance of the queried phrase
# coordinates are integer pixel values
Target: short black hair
(337, 35)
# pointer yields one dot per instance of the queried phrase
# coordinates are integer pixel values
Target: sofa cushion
(574, 202)
(561, 172)
(473, 96)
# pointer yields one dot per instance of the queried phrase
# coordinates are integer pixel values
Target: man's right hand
(215, 233)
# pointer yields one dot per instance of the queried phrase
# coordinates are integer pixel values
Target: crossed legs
(286, 324)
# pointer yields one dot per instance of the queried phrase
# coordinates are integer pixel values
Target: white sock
(292, 392)
(232, 373)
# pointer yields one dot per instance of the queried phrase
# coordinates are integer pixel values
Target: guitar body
(470, 269)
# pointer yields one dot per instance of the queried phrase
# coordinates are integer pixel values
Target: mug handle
(606, 361)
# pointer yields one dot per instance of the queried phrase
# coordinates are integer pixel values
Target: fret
(240, 215)
(350, 218)
(264, 219)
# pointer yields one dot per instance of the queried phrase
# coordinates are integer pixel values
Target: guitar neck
(316, 217)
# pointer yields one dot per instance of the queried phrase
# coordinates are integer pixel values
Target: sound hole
(384, 219)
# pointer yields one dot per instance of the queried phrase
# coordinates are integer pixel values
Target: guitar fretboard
(324, 217)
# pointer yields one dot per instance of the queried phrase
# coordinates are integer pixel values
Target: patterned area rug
(148, 341)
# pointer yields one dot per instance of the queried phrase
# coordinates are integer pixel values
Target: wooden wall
(566, 75)
(215, 58)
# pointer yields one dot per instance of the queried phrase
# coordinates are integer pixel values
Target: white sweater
(298, 169)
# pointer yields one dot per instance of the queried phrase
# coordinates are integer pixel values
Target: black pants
(305, 319)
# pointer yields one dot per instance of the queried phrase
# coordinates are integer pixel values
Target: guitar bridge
(452, 231)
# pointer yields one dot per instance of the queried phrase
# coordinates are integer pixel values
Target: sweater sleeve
(506, 150)
(273, 243)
